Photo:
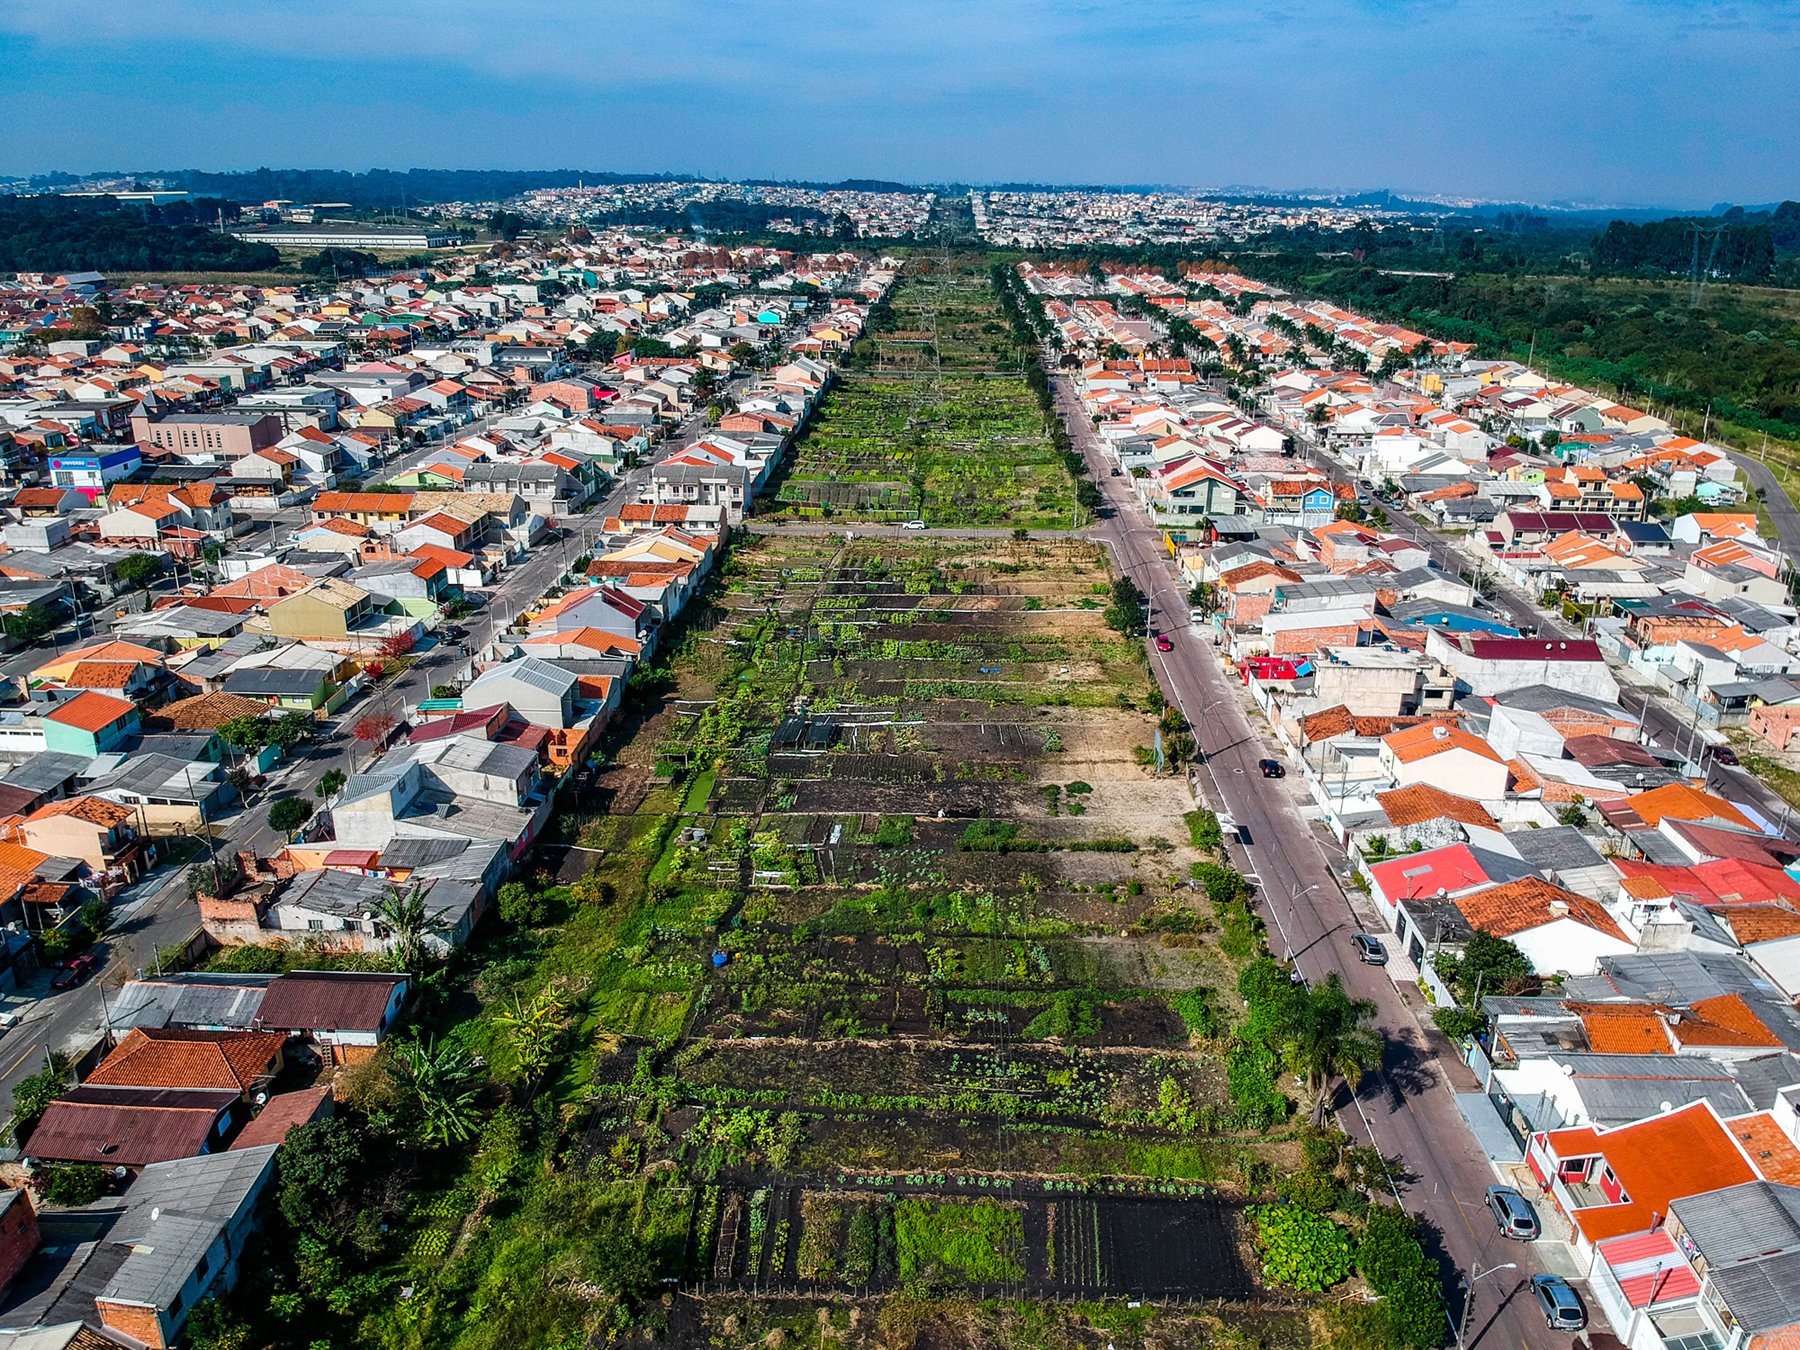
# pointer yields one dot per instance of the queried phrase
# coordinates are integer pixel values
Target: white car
(913, 525)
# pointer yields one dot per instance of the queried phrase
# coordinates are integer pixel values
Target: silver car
(1559, 1303)
(1513, 1213)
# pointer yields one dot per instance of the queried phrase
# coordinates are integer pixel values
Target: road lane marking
(24, 1055)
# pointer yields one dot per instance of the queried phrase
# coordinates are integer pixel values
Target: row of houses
(1641, 1083)
(133, 736)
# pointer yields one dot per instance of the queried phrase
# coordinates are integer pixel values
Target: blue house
(91, 471)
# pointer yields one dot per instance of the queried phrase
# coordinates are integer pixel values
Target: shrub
(76, 1184)
(948, 1241)
(1204, 830)
(894, 832)
(1256, 1102)
(523, 906)
(1395, 1264)
(996, 836)
(1301, 1249)
(1317, 1191)
(1459, 1023)
(1222, 885)
(1195, 1008)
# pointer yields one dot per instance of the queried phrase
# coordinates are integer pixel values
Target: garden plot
(1063, 1241)
(941, 425)
(907, 903)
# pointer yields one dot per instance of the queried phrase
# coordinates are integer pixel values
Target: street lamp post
(1468, 1287)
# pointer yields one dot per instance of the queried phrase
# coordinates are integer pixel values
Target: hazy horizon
(1623, 103)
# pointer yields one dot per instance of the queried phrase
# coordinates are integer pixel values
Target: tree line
(101, 234)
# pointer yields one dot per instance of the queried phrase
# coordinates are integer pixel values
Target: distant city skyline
(1609, 102)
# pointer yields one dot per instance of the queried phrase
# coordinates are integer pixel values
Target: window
(317, 925)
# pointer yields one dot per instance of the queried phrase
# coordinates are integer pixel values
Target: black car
(1271, 768)
(455, 633)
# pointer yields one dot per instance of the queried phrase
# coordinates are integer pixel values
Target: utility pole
(1468, 1283)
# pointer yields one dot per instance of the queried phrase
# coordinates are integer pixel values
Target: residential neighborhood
(318, 604)
(609, 785)
(1508, 639)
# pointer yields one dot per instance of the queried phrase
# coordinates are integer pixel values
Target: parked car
(1118, 472)
(1559, 1303)
(913, 525)
(1369, 950)
(455, 632)
(1513, 1213)
(1725, 755)
(1163, 644)
(1271, 768)
(75, 970)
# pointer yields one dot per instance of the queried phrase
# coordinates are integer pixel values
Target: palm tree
(1326, 1038)
(443, 1080)
(400, 917)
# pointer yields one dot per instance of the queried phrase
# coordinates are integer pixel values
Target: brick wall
(1305, 641)
(18, 1236)
(1248, 608)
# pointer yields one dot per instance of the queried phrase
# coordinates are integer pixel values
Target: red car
(1163, 644)
(75, 970)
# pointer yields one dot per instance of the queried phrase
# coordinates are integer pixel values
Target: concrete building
(211, 437)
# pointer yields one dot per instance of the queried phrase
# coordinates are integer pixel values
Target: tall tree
(1326, 1037)
(402, 918)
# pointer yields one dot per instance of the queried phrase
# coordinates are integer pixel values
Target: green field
(933, 421)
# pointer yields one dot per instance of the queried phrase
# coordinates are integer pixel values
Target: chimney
(1559, 909)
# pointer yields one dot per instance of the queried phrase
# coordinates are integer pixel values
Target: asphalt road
(1775, 501)
(1406, 1109)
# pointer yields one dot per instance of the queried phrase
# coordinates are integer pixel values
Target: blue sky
(1669, 102)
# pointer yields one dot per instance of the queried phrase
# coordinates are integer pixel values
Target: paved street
(1407, 1108)
(1776, 501)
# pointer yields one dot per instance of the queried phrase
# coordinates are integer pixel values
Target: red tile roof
(1520, 906)
(1422, 802)
(165, 1057)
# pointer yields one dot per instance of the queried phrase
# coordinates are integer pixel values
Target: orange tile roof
(1684, 802)
(1760, 923)
(102, 674)
(1423, 802)
(168, 1058)
(1624, 1028)
(338, 525)
(1769, 1149)
(94, 810)
(19, 858)
(437, 520)
(1519, 906)
(1668, 1156)
(114, 651)
(91, 711)
(1422, 742)
(1725, 1021)
(204, 712)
